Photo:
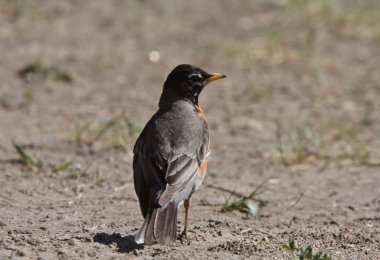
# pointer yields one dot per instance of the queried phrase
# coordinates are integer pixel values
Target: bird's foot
(183, 234)
(183, 238)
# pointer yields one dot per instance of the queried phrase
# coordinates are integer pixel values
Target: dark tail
(159, 226)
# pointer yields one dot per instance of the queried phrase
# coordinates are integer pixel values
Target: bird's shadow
(125, 244)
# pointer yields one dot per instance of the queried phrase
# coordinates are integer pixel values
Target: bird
(170, 155)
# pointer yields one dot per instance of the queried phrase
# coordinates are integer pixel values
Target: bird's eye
(195, 77)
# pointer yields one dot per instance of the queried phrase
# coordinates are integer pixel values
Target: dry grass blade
(27, 158)
(246, 203)
(36, 70)
(279, 143)
(103, 130)
(117, 131)
(55, 168)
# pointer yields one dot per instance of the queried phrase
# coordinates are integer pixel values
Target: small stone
(88, 239)
(64, 238)
(20, 253)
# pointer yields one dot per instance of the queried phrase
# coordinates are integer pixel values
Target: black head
(187, 81)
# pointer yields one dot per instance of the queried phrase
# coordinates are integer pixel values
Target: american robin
(170, 155)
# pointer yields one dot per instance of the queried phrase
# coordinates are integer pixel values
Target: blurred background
(303, 82)
(79, 80)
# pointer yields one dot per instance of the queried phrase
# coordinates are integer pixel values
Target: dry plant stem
(238, 194)
(295, 202)
(234, 193)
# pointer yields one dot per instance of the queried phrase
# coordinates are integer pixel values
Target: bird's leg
(186, 205)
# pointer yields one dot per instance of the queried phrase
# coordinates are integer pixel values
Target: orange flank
(201, 114)
(203, 169)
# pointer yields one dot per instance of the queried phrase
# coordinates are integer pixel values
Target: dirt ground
(298, 113)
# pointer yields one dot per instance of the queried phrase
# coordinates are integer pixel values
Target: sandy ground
(298, 112)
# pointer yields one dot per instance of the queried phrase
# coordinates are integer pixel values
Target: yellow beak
(215, 76)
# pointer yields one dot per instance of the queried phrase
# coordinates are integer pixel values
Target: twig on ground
(296, 201)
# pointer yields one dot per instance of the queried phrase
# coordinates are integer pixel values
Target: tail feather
(159, 226)
(150, 238)
(165, 226)
(140, 236)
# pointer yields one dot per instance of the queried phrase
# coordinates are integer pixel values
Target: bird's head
(187, 81)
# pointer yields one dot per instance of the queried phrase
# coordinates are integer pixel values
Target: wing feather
(172, 164)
